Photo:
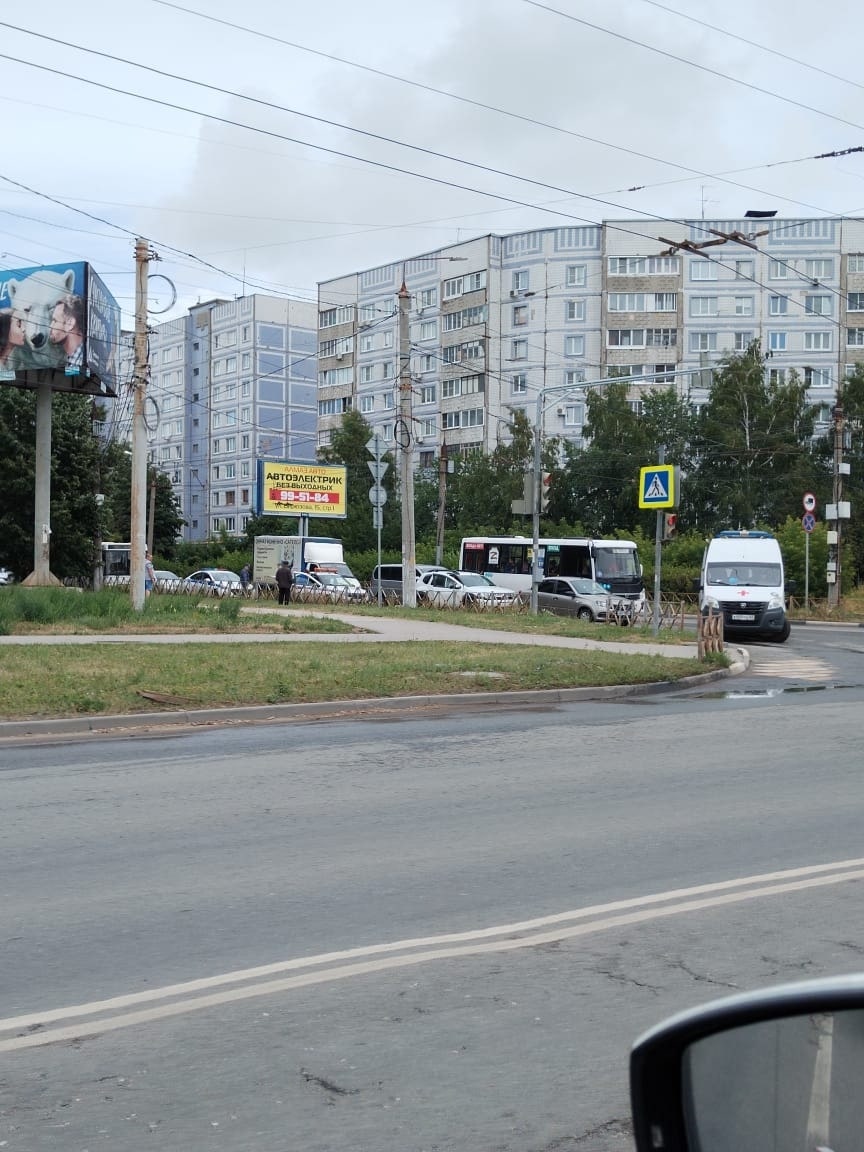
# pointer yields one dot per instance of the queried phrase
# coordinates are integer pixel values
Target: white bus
(508, 560)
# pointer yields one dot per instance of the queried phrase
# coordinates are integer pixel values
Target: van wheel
(783, 636)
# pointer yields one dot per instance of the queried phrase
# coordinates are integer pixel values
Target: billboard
(58, 324)
(288, 488)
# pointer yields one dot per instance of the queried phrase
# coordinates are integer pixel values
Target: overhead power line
(692, 63)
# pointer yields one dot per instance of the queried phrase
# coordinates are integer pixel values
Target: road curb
(143, 723)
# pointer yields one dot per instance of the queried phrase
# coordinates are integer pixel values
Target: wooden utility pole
(442, 504)
(138, 511)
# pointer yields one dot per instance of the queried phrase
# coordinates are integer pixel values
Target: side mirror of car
(696, 583)
(774, 1069)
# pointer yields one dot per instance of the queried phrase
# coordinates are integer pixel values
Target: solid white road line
(524, 934)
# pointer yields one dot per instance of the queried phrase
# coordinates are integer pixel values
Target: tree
(753, 446)
(116, 480)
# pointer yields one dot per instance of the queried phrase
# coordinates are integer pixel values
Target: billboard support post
(41, 575)
(138, 509)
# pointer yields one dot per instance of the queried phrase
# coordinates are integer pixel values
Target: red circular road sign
(808, 522)
(809, 502)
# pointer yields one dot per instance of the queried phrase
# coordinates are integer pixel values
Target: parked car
(389, 576)
(455, 589)
(167, 581)
(328, 586)
(213, 582)
(583, 598)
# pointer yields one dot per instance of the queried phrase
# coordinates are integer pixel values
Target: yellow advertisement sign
(287, 488)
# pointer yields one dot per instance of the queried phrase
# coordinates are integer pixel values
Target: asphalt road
(130, 867)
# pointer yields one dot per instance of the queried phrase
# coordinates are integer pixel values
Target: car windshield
(473, 580)
(753, 575)
(614, 563)
(589, 588)
(224, 577)
(332, 580)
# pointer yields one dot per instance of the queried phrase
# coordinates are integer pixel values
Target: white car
(167, 581)
(6, 576)
(456, 589)
(328, 586)
(212, 582)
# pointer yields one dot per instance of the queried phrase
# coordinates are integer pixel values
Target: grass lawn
(43, 681)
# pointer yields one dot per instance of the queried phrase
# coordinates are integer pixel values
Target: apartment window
(473, 350)
(743, 340)
(246, 415)
(625, 338)
(325, 437)
(777, 377)
(574, 310)
(777, 341)
(574, 346)
(427, 362)
(663, 302)
(520, 316)
(703, 269)
(855, 263)
(463, 386)
(428, 394)
(626, 302)
(743, 305)
(388, 400)
(703, 341)
(639, 266)
(519, 384)
(387, 432)
(817, 377)
(459, 285)
(429, 330)
(468, 418)
(245, 469)
(576, 275)
(331, 316)
(244, 495)
(366, 371)
(225, 339)
(778, 270)
(778, 305)
(216, 420)
(230, 471)
(330, 376)
(520, 281)
(744, 269)
(428, 298)
(387, 370)
(367, 342)
(661, 337)
(703, 305)
(855, 337)
(574, 376)
(817, 341)
(519, 350)
(387, 339)
(244, 442)
(367, 403)
(625, 371)
(246, 333)
(230, 417)
(429, 427)
(819, 305)
(664, 373)
(854, 303)
(818, 269)
(246, 361)
(245, 388)
(574, 415)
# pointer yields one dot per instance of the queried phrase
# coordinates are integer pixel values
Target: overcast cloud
(285, 215)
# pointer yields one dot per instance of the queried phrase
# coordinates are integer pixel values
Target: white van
(742, 577)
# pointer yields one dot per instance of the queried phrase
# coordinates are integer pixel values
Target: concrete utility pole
(138, 512)
(41, 575)
(442, 503)
(834, 594)
(405, 440)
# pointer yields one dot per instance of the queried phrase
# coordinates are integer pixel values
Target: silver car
(576, 596)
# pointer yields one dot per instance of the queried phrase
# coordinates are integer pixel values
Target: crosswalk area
(788, 666)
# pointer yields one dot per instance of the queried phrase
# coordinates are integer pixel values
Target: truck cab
(743, 578)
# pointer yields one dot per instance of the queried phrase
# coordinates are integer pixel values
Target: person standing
(149, 574)
(284, 581)
(245, 574)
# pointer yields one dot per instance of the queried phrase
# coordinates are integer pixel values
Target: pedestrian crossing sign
(658, 486)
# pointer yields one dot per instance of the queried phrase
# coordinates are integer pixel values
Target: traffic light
(545, 482)
(670, 525)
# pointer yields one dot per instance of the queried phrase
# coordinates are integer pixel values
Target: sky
(239, 187)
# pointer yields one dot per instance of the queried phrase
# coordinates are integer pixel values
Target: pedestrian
(149, 574)
(284, 580)
(245, 574)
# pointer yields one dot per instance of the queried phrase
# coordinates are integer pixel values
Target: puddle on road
(767, 693)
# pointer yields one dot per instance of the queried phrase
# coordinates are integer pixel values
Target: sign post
(658, 489)
(376, 447)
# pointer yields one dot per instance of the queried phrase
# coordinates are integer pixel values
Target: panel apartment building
(230, 381)
(496, 318)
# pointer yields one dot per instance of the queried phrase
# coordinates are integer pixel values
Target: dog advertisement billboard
(58, 324)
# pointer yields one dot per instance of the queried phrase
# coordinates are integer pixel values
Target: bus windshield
(615, 563)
